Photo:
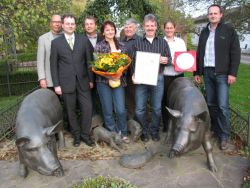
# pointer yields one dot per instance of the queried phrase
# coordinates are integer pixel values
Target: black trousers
(84, 100)
(165, 116)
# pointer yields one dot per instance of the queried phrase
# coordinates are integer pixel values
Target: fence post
(248, 135)
(8, 77)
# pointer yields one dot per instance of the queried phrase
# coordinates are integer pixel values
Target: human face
(109, 32)
(130, 30)
(56, 24)
(214, 15)
(69, 25)
(150, 28)
(169, 30)
(90, 26)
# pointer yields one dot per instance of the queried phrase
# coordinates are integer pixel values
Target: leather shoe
(155, 137)
(223, 144)
(88, 141)
(76, 142)
(144, 137)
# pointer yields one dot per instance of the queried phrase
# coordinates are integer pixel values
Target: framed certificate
(147, 68)
(185, 61)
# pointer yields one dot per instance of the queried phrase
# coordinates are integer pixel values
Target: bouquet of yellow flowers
(111, 66)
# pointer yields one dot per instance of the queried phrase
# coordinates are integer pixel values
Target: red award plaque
(185, 61)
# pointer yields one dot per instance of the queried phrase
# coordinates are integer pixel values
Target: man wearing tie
(72, 78)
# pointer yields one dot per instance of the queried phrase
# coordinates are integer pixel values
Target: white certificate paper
(147, 68)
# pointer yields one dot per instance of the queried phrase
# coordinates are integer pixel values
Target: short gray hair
(131, 21)
(149, 17)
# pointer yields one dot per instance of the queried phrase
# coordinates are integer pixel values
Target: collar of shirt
(144, 37)
(132, 38)
(92, 36)
(174, 39)
(70, 36)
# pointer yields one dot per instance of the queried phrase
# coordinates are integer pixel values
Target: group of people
(63, 64)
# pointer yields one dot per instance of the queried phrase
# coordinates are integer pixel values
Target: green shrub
(28, 56)
(104, 182)
(20, 82)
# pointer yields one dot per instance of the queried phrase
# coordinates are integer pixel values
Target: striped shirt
(158, 45)
(209, 58)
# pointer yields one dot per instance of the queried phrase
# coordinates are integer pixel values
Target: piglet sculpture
(38, 120)
(189, 124)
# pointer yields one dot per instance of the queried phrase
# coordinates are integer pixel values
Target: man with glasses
(43, 52)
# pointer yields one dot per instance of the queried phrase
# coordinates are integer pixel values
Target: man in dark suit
(72, 77)
(90, 27)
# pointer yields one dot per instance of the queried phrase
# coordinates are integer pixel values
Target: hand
(197, 79)
(43, 83)
(231, 79)
(163, 60)
(91, 85)
(58, 90)
(133, 79)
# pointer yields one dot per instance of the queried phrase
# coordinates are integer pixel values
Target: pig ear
(201, 117)
(175, 113)
(54, 129)
(22, 141)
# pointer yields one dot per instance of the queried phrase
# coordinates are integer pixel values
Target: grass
(104, 182)
(6, 102)
(240, 92)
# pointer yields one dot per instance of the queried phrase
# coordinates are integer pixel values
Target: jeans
(113, 100)
(217, 96)
(142, 93)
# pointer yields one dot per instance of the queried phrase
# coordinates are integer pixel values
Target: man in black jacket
(218, 58)
(90, 27)
(70, 55)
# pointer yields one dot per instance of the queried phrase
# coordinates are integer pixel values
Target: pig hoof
(59, 172)
(23, 170)
(213, 167)
(171, 154)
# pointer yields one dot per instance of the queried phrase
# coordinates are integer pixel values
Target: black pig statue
(38, 120)
(189, 124)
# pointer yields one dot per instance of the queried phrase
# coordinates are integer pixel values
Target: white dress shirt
(176, 45)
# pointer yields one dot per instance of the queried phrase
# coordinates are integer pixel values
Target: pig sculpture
(38, 120)
(189, 124)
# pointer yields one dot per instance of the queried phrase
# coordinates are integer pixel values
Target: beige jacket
(43, 57)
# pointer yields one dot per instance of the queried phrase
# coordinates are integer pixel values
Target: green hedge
(23, 57)
(19, 83)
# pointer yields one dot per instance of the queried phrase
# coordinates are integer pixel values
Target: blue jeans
(217, 95)
(113, 100)
(142, 93)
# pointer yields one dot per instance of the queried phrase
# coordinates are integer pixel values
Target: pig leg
(169, 135)
(61, 141)
(113, 145)
(208, 149)
(23, 170)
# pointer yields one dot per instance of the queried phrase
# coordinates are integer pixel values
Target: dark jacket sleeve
(89, 58)
(235, 54)
(54, 64)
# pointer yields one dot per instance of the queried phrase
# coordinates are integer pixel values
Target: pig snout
(54, 169)
(181, 141)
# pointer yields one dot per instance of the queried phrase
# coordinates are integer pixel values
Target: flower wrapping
(111, 65)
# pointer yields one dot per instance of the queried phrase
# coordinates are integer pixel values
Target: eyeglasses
(68, 24)
(56, 22)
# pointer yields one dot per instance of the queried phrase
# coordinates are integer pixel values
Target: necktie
(70, 41)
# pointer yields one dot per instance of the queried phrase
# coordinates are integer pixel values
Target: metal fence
(239, 124)
(16, 78)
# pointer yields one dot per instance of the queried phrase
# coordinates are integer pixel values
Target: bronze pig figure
(189, 124)
(38, 120)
